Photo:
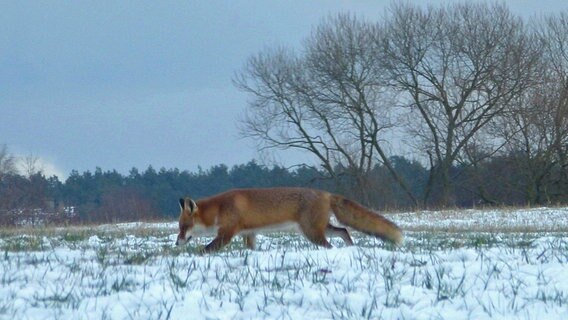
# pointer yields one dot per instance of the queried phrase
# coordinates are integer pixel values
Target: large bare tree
(555, 36)
(456, 68)
(535, 128)
(329, 100)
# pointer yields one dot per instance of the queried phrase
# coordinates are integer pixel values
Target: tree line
(464, 85)
(109, 196)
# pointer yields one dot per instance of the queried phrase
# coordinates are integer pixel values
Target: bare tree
(456, 68)
(7, 162)
(31, 165)
(328, 101)
(555, 36)
(536, 126)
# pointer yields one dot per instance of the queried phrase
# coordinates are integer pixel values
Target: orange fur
(247, 211)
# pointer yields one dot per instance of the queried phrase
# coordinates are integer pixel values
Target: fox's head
(186, 219)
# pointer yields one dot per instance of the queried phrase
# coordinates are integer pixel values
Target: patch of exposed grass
(23, 243)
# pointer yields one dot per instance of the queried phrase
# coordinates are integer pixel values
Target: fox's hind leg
(315, 234)
(334, 231)
(317, 238)
(313, 222)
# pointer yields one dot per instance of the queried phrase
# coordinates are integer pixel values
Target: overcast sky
(122, 84)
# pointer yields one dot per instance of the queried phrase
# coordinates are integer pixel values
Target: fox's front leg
(224, 236)
(250, 241)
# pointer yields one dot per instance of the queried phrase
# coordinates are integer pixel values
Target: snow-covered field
(472, 264)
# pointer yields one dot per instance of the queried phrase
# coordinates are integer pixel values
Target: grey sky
(122, 84)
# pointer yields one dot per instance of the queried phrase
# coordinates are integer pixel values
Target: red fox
(250, 211)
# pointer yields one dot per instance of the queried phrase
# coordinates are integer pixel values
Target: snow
(471, 264)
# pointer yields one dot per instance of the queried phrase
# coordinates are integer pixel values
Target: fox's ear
(192, 206)
(187, 203)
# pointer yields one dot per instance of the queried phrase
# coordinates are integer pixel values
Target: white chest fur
(200, 230)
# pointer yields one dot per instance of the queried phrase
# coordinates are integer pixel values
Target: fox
(248, 212)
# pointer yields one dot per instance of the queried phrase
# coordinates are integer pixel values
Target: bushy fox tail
(354, 215)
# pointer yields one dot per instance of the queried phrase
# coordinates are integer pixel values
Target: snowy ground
(474, 264)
